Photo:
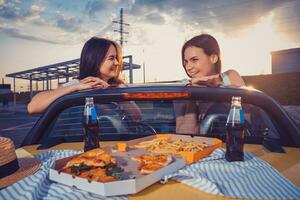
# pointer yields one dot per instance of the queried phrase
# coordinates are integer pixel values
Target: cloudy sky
(35, 33)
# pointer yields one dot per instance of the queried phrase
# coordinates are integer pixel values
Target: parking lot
(16, 122)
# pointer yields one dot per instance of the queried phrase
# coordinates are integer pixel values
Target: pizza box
(135, 182)
(190, 157)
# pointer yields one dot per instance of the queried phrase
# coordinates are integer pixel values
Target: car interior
(158, 116)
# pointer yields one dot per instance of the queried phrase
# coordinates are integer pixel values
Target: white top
(225, 79)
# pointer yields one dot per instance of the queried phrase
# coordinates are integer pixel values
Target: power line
(223, 6)
(292, 29)
(287, 4)
(229, 15)
(279, 21)
(286, 20)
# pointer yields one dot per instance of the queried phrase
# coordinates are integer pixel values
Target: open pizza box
(134, 182)
(190, 157)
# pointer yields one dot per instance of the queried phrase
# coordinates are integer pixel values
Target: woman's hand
(211, 81)
(90, 82)
(43, 99)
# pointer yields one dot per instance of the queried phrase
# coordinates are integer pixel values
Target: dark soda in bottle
(90, 125)
(235, 126)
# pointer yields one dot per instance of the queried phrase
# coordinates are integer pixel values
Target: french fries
(168, 146)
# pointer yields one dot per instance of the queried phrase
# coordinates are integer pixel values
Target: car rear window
(162, 116)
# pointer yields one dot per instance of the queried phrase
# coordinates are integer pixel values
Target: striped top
(253, 178)
(39, 186)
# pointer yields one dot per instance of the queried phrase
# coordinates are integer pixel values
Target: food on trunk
(151, 163)
(167, 146)
(94, 165)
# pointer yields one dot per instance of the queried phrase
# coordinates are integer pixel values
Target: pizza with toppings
(167, 146)
(94, 165)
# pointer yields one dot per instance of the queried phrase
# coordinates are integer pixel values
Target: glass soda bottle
(90, 125)
(235, 126)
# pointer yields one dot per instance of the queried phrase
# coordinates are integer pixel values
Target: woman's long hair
(209, 45)
(92, 56)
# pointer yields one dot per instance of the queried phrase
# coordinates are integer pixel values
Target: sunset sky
(35, 33)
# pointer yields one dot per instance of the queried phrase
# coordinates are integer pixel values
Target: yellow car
(270, 134)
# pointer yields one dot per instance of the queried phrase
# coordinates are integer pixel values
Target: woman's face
(109, 66)
(197, 63)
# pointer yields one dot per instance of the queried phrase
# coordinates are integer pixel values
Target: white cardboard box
(122, 187)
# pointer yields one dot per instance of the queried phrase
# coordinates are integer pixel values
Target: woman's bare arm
(235, 78)
(42, 100)
(216, 80)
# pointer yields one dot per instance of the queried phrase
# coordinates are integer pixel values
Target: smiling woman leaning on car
(100, 67)
(202, 63)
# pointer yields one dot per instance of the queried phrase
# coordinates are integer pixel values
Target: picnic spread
(136, 167)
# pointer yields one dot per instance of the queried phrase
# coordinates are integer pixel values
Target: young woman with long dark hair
(100, 67)
(201, 59)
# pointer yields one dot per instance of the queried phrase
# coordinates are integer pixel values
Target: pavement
(15, 122)
(19, 107)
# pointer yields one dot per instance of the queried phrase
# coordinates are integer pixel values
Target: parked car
(270, 133)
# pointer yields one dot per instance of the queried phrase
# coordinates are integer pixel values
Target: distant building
(5, 89)
(287, 60)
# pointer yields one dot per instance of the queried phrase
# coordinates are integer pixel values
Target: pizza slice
(151, 163)
(150, 167)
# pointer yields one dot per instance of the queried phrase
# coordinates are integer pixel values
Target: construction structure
(61, 72)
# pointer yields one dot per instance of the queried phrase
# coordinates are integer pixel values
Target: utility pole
(144, 73)
(121, 28)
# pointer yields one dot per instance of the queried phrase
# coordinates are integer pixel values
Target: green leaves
(114, 171)
(110, 170)
(78, 169)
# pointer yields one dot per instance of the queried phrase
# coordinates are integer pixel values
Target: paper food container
(190, 157)
(134, 184)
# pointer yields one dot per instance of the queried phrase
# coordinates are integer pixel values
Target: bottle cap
(89, 100)
(235, 98)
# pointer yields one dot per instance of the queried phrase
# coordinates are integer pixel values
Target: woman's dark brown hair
(209, 45)
(92, 56)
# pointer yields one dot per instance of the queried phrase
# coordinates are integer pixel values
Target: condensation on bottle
(90, 125)
(235, 134)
